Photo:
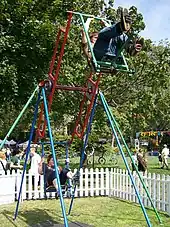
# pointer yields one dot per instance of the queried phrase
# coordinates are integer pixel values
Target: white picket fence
(93, 182)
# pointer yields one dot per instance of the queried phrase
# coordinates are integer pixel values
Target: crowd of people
(10, 160)
(140, 159)
(37, 167)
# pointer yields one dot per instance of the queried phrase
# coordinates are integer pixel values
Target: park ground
(97, 212)
(153, 164)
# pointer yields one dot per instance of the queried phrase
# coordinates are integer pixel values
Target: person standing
(165, 153)
(3, 163)
(160, 158)
(142, 163)
(135, 161)
(50, 175)
(35, 160)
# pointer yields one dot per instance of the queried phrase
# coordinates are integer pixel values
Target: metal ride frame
(91, 93)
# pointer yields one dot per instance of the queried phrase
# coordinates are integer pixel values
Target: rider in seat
(107, 44)
(50, 176)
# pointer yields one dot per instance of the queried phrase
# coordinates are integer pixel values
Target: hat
(165, 145)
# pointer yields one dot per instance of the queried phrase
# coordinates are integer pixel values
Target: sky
(156, 15)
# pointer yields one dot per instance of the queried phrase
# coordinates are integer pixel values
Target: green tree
(28, 31)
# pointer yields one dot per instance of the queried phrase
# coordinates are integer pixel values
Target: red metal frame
(69, 88)
(53, 76)
(88, 110)
(41, 132)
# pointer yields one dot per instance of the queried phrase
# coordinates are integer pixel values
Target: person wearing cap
(164, 155)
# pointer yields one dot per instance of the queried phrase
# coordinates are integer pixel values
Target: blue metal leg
(84, 147)
(124, 158)
(27, 153)
(54, 158)
(129, 153)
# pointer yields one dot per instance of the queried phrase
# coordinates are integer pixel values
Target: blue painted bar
(54, 158)
(129, 153)
(124, 159)
(27, 153)
(84, 147)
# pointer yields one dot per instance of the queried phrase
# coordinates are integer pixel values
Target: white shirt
(35, 160)
(165, 152)
(2, 172)
(134, 157)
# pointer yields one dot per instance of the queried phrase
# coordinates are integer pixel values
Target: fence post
(29, 184)
(127, 185)
(42, 186)
(23, 194)
(149, 177)
(163, 192)
(110, 182)
(154, 188)
(107, 182)
(123, 184)
(158, 192)
(114, 182)
(168, 194)
(81, 182)
(77, 192)
(91, 182)
(102, 181)
(86, 182)
(97, 181)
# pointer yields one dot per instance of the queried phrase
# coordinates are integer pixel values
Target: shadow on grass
(31, 218)
(8, 217)
(150, 209)
(111, 216)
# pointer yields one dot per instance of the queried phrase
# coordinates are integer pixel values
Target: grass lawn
(153, 164)
(98, 212)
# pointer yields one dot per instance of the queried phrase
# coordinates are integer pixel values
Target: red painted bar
(69, 88)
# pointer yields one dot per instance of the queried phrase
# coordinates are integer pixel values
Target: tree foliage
(28, 30)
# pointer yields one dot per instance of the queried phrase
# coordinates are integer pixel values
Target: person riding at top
(107, 43)
(93, 37)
